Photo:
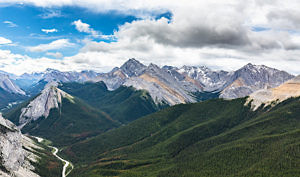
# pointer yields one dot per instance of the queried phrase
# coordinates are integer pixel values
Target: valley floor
(66, 170)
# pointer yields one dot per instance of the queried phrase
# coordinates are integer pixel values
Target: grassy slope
(77, 121)
(124, 104)
(74, 121)
(212, 138)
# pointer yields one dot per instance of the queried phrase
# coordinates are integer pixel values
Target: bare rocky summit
(251, 78)
(49, 98)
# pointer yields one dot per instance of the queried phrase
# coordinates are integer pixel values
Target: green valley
(124, 104)
(211, 138)
(94, 111)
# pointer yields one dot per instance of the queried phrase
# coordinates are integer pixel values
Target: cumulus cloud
(54, 45)
(4, 41)
(49, 30)
(19, 64)
(84, 27)
(215, 33)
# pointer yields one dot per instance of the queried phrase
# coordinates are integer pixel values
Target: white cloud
(214, 33)
(49, 30)
(54, 45)
(4, 41)
(19, 64)
(55, 55)
(84, 27)
(10, 24)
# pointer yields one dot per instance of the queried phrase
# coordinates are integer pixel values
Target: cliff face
(14, 159)
(49, 98)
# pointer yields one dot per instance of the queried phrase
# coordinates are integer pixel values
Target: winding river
(66, 163)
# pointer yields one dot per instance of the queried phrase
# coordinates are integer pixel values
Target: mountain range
(140, 120)
(166, 85)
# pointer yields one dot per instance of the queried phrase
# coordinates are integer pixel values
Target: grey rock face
(49, 98)
(118, 76)
(113, 79)
(133, 68)
(8, 85)
(162, 86)
(210, 80)
(13, 157)
(251, 78)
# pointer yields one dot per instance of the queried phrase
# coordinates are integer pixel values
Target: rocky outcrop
(14, 159)
(162, 87)
(49, 98)
(275, 95)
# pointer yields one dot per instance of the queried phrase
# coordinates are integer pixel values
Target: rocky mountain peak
(132, 67)
(249, 65)
(251, 78)
(153, 66)
(8, 85)
(50, 97)
(251, 68)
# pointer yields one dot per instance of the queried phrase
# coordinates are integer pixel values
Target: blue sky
(99, 35)
(27, 23)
